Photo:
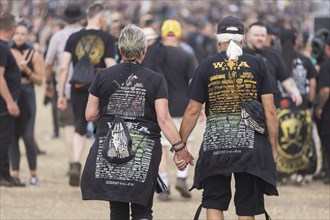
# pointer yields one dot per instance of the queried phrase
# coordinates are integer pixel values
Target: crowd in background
(196, 17)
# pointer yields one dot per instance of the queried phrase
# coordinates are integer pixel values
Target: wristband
(173, 149)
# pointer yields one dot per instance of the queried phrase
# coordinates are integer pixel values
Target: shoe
(34, 181)
(164, 196)
(17, 182)
(41, 152)
(7, 183)
(74, 176)
(182, 187)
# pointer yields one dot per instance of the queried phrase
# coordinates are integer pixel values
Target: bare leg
(245, 217)
(68, 140)
(78, 146)
(214, 214)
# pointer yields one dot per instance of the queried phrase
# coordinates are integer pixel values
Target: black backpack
(83, 72)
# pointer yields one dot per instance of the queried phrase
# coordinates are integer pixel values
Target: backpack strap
(131, 68)
(198, 212)
(29, 55)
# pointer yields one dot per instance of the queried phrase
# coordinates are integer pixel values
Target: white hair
(233, 50)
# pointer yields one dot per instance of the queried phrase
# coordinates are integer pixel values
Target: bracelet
(173, 149)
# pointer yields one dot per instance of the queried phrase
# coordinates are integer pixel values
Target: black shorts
(79, 100)
(65, 117)
(249, 194)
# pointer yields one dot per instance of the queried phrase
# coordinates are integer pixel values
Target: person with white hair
(139, 96)
(226, 82)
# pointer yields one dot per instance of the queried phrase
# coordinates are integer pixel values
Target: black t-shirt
(277, 68)
(228, 144)
(324, 81)
(178, 67)
(103, 46)
(12, 74)
(135, 102)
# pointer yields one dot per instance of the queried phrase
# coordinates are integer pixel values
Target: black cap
(288, 34)
(73, 13)
(230, 21)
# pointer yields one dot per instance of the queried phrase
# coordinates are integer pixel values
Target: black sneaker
(182, 187)
(16, 182)
(74, 177)
(7, 183)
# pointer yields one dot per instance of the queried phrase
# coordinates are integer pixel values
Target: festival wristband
(173, 149)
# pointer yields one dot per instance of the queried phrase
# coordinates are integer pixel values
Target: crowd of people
(173, 69)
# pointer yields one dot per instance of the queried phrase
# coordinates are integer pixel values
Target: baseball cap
(171, 28)
(230, 25)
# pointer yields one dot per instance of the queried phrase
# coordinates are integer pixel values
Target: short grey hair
(132, 42)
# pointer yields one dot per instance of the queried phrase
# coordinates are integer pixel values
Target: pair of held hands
(182, 158)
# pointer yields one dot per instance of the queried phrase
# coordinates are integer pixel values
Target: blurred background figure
(297, 154)
(100, 47)
(73, 15)
(322, 109)
(178, 66)
(31, 66)
(10, 89)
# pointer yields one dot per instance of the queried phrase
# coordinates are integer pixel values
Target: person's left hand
(23, 67)
(183, 158)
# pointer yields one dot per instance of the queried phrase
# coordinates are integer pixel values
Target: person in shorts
(230, 147)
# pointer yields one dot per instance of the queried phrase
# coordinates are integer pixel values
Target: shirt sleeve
(109, 47)
(68, 45)
(266, 84)
(52, 50)
(282, 71)
(311, 71)
(94, 87)
(3, 57)
(198, 89)
(161, 91)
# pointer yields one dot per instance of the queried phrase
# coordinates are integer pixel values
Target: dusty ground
(55, 199)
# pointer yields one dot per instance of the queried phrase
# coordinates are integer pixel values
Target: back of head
(231, 29)
(132, 42)
(7, 21)
(94, 10)
(171, 28)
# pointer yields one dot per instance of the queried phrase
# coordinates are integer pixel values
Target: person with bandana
(30, 63)
(230, 147)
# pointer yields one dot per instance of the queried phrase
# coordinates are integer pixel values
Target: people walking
(138, 96)
(178, 66)
(72, 15)
(232, 83)
(100, 48)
